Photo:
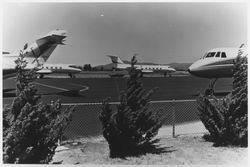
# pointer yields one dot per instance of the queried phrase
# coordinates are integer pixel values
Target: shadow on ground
(70, 93)
(221, 93)
(153, 148)
(218, 94)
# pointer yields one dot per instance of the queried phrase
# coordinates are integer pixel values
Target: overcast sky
(160, 32)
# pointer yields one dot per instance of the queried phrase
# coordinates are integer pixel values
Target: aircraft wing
(44, 71)
(147, 71)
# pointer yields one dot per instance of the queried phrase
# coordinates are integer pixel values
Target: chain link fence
(181, 118)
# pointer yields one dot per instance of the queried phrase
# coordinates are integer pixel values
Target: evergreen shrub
(226, 120)
(31, 129)
(130, 125)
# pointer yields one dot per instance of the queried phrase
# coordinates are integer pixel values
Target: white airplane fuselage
(37, 54)
(9, 65)
(120, 65)
(44, 69)
(217, 63)
(146, 68)
(58, 68)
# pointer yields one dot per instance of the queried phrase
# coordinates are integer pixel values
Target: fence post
(173, 117)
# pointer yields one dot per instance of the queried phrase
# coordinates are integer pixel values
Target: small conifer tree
(31, 129)
(131, 124)
(237, 111)
(226, 120)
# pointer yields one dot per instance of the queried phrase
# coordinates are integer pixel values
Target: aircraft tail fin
(44, 46)
(115, 59)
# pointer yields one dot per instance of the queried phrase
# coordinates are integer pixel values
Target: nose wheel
(210, 90)
(141, 74)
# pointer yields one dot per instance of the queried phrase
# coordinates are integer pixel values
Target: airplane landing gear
(165, 74)
(141, 74)
(40, 76)
(71, 75)
(210, 89)
(209, 92)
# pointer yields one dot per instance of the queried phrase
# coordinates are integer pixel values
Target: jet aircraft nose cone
(196, 71)
(192, 69)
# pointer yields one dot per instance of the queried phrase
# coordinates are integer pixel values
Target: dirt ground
(182, 150)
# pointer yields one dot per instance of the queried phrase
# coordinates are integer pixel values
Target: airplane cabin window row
(216, 54)
(53, 68)
(149, 68)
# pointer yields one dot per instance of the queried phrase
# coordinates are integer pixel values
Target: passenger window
(223, 55)
(217, 54)
(210, 54)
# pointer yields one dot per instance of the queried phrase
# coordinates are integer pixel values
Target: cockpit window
(217, 54)
(223, 55)
(210, 54)
(204, 56)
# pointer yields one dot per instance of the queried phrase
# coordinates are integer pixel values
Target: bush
(237, 112)
(212, 113)
(130, 125)
(226, 120)
(31, 129)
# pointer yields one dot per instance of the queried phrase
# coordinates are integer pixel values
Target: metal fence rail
(85, 122)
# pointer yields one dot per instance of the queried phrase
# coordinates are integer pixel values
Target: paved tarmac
(79, 91)
(89, 90)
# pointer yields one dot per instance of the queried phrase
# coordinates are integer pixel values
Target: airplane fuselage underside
(215, 71)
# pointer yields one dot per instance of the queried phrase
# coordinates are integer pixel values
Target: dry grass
(183, 150)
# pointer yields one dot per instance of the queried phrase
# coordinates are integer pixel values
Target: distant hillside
(177, 66)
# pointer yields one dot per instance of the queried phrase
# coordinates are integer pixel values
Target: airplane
(216, 63)
(37, 54)
(120, 65)
(70, 69)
